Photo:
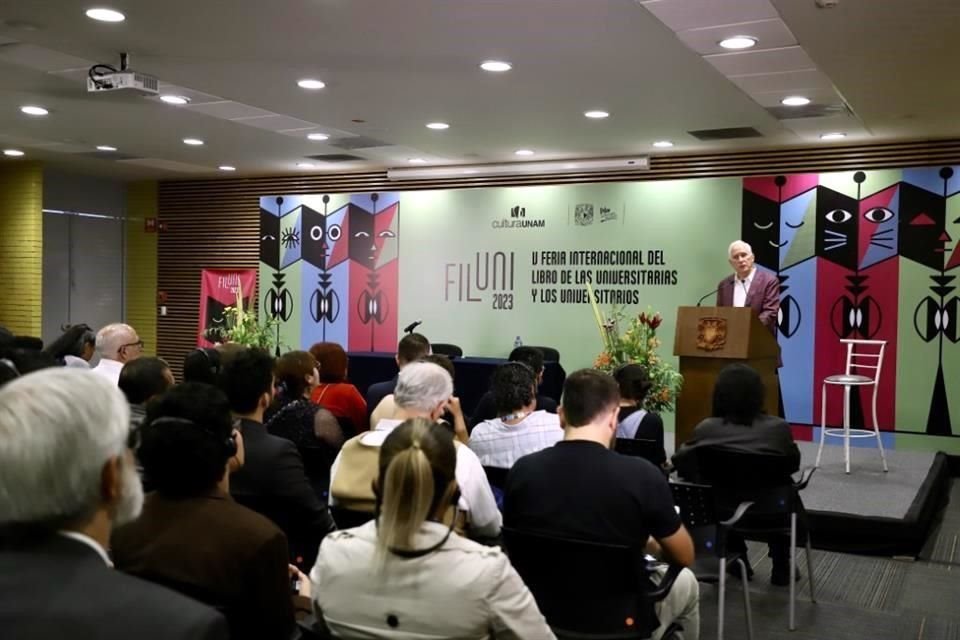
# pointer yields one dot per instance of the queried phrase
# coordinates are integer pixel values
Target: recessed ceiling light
(105, 15)
(597, 115)
(439, 126)
(13, 153)
(32, 110)
(523, 152)
(835, 135)
(193, 142)
(663, 144)
(317, 136)
(795, 101)
(496, 66)
(738, 42)
(178, 100)
(310, 83)
(106, 147)
(226, 167)
(416, 160)
(306, 165)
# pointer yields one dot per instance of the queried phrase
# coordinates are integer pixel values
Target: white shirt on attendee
(476, 496)
(741, 288)
(75, 362)
(110, 369)
(500, 445)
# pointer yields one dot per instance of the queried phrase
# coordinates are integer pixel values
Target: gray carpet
(867, 491)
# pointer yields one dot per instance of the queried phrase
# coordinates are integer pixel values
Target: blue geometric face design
(796, 242)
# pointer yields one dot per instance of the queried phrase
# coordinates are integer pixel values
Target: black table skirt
(472, 375)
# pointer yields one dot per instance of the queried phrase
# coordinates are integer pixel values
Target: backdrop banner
(218, 290)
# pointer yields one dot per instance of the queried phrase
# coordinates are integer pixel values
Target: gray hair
(58, 428)
(422, 386)
(738, 243)
(112, 337)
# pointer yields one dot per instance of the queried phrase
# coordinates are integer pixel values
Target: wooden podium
(707, 340)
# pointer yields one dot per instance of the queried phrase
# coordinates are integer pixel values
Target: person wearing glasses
(117, 344)
(192, 537)
(68, 479)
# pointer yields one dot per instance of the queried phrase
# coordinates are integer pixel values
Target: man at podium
(750, 287)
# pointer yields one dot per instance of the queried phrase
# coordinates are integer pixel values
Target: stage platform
(869, 511)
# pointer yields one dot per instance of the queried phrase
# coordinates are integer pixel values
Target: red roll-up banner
(218, 290)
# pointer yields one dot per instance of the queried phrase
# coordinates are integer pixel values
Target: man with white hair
(750, 287)
(423, 391)
(117, 344)
(67, 478)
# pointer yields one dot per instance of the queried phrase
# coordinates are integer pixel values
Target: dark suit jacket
(273, 482)
(61, 588)
(377, 392)
(763, 297)
(216, 551)
(767, 435)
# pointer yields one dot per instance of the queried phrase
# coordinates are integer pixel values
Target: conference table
(472, 377)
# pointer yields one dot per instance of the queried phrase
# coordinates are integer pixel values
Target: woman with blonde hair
(406, 573)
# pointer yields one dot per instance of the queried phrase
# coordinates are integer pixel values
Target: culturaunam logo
(518, 220)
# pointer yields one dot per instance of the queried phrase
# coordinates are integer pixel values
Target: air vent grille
(336, 157)
(730, 133)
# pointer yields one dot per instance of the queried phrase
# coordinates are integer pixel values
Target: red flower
(656, 321)
(643, 318)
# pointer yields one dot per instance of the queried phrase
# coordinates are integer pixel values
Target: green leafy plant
(633, 340)
(241, 326)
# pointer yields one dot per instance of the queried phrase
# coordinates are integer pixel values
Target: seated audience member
(291, 415)
(412, 347)
(15, 362)
(191, 536)
(117, 344)
(272, 477)
(581, 489)
(143, 379)
(520, 429)
(394, 576)
(75, 347)
(452, 415)
(68, 479)
(423, 391)
(333, 392)
(635, 422)
(739, 424)
(487, 406)
(201, 365)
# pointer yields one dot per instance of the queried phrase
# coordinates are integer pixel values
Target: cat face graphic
(836, 227)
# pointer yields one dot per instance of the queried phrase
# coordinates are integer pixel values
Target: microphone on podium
(700, 301)
(413, 325)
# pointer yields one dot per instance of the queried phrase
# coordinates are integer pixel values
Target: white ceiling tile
(770, 34)
(335, 134)
(681, 15)
(753, 62)
(275, 123)
(816, 96)
(167, 165)
(41, 58)
(790, 81)
(227, 110)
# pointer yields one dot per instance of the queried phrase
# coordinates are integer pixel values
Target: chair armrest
(741, 509)
(804, 480)
(666, 583)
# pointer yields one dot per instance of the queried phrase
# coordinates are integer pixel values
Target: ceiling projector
(103, 77)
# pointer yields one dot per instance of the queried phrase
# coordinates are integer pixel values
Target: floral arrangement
(240, 326)
(633, 340)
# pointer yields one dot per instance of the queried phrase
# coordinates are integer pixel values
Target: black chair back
(737, 476)
(450, 350)
(350, 518)
(649, 450)
(585, 589)
(316, 464)
(549, 354)
(301, 544)
(496, 476)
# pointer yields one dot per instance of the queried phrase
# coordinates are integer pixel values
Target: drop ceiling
(880, 70)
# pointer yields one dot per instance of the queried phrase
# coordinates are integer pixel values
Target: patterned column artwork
(280, 247)
(325, 271)
(777, 222)
(373, 222)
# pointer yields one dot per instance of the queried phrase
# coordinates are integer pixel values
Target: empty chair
(450, 350)
(864, 363)
(588, 590)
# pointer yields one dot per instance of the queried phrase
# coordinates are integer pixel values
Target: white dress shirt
(462, 590)
(476, 496)
(83, 538)
(741, 288)
(500, 445)
(110, 369)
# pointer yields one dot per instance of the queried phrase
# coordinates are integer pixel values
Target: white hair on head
(112, 337)
(422, 386)
(738, 243)
(58, 427)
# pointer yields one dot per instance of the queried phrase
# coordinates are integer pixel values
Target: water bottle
(517, 342)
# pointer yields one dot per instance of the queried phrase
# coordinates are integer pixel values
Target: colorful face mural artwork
(373, 222)
(325, 274)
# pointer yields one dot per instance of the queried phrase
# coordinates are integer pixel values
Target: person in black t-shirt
(579, 488)
(487, 406)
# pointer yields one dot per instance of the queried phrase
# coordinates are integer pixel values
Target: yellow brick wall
(21, 246)
(141, 298)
